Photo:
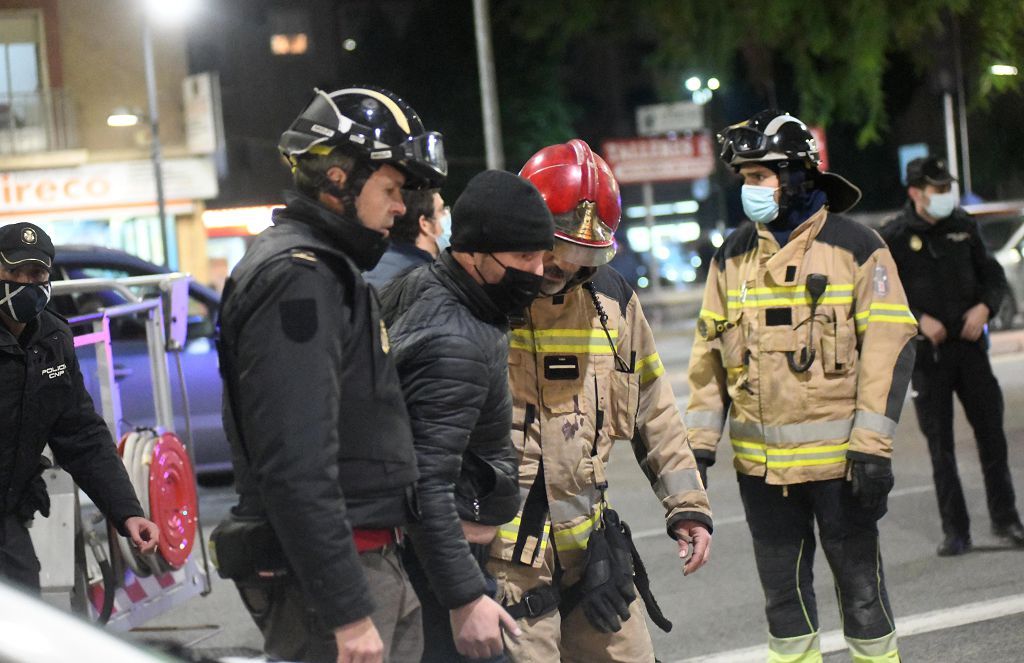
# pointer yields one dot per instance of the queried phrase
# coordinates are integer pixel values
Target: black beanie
(499, 212)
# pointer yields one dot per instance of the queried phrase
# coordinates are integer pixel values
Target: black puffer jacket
(450, 344)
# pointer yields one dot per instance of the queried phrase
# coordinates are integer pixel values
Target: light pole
(154, 127)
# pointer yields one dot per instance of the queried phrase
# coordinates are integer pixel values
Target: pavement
(968, 608)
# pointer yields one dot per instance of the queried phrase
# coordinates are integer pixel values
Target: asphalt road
(969, 608)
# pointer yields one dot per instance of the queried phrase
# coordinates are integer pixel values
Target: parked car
(131, 361)
(1002, 229)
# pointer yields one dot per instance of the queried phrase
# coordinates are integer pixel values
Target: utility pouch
(245, 549)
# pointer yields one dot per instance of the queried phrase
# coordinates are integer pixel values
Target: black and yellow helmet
(770, 135)
(370, 123)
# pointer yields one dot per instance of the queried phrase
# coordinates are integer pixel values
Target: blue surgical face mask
(444, 240)
(941, 205)
(759, 203)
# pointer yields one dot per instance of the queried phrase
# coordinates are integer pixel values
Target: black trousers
(438, 641)
(963, 368)
(782, 527)
(18, 562)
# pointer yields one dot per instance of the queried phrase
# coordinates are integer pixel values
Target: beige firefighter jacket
(788, 426)
(565, 385)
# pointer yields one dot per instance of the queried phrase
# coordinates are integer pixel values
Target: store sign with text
(107, 187)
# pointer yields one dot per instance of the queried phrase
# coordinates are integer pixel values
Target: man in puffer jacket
(448, 324)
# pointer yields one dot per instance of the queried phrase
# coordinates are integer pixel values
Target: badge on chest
(561, 367)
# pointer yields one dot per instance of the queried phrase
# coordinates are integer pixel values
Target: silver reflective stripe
(878, 649)
(713, 419)
(676, 482)
(574, 507)
(874, 422)
(807, 645)
(791, 433)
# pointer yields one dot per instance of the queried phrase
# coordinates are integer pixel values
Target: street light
(171, 12)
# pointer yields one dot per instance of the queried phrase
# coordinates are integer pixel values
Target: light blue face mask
(759, 203)
(941, 205)
(444, 240)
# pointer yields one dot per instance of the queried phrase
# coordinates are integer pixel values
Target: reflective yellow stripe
(903, 317)
(779, 457)
(705, 313)
(577, 536)
(649, 368)
(590, 341)
(833, 288)
(509, 533)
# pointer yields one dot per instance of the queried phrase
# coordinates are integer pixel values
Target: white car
(1002, 229)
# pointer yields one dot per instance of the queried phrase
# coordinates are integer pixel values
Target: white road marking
(926, 622)
(732, 520)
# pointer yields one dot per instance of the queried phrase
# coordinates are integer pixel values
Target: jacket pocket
(838, 347)
(623, 403)
(734, 342)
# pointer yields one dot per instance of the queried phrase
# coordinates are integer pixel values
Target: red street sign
(638, 160)
(819, 137)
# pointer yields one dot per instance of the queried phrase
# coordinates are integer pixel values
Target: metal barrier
(60, 540)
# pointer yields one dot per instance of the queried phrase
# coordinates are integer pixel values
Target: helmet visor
(743, 142)
(424, 157)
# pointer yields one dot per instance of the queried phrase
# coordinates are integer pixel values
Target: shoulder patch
(298, 319)
(304, 257)
(740, 241)
(610, 283)
(845, 233)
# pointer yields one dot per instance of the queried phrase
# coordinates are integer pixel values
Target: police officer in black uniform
(320, 436)
(43, 401)
(954, 286)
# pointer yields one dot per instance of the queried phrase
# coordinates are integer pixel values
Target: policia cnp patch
(298, 319)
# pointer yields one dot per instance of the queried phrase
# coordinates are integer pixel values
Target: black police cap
(25, 244)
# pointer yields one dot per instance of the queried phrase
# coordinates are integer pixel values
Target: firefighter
(806, 332)
(584, 371)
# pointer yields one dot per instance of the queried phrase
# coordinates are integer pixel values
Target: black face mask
(22, 302)
(515, 290)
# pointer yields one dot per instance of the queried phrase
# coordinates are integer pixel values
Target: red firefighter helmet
(583, 196)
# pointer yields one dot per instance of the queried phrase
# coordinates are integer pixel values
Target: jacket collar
(454, 277)
(362, 245)
(411, 250)
(778, 260)
(38, 327)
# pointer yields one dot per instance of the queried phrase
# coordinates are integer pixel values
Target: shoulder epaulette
(742, 240)
(845, 233)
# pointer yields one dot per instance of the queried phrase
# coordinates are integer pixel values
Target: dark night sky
(425, 51)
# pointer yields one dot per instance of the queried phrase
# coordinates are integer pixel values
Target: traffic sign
(638, 160)
(658, 119)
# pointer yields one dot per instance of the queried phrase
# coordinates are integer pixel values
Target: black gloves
(35, 498)
(871, 481)
(607, 583)
(702, 470)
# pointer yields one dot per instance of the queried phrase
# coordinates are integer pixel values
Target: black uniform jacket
(313, 408)
(945, 267)
(450, 344)
(43, 401)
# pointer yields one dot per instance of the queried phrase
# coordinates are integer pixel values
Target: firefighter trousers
(549, 637)
(781, 521)
(963, 368)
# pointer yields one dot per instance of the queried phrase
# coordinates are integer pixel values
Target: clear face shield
(422, 157)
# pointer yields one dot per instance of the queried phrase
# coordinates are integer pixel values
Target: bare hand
(143, 533)
(933, 330)
(477, 533)
(477, 626)
(359, 642)
(701, 541)
(974, 322)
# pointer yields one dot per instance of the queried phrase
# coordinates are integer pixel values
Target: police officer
(43, 401)
(954, 286)
(584, 371)
(804, 342)
(320, 436)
